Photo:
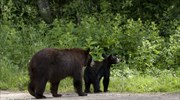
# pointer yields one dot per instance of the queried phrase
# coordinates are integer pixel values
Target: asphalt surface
(6, 95)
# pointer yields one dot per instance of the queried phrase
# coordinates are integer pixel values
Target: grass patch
(12, 78)
(140, 84)
(15, 79)
(66, 85)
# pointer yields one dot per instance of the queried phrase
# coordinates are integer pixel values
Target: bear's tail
(31, 89)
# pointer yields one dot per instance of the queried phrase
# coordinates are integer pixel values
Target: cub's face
(113, 59)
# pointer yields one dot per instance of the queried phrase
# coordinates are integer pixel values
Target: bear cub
(53, 65)
(93, 74)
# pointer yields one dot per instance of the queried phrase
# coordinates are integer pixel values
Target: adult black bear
(93, 74)
(53, 65)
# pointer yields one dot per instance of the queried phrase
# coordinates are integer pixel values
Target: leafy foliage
(146, 36)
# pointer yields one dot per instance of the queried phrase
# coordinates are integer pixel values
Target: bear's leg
(40, 87)
(54, 89)
(87, 80)
(87, 87)
(78, 83)
(96, 86)
(31, 88)
(106, 83)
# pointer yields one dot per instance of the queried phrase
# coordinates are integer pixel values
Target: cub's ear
(110, 55)
(104, 56)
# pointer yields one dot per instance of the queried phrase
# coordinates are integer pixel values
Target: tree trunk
(45, 11)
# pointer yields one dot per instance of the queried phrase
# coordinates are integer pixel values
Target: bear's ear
(87, 50)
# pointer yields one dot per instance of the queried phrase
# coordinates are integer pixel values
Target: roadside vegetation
(144, 35)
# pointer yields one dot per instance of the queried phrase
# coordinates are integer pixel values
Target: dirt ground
(6, 95)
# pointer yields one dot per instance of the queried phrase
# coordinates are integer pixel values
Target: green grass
(15, 79)
(140, 84)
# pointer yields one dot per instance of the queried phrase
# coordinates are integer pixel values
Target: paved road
(5, 95)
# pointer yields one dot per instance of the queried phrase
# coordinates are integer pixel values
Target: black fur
(54, 65)
(93, 74)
